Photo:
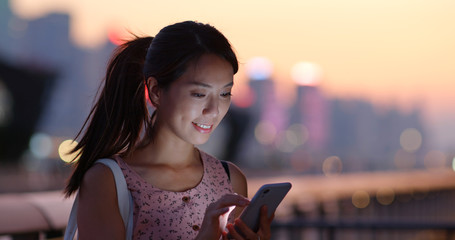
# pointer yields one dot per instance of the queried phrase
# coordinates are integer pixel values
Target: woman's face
(193, 106)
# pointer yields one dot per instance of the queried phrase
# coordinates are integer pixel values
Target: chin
(200, 141)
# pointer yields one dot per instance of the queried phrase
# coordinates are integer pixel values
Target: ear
(154, 91)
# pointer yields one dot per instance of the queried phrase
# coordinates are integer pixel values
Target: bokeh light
(259, 68)
(293, 137)
(118, 36)
(435, 159)
(360, 199)
(265, 132)
(453, 163)
(297, 134)
(306, 74)
(41, 145)
(282, 142)
(332, 166)
(243, 96)
(385, 196)
(411, 140)
(64, 150)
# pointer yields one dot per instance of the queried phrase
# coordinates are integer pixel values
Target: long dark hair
(115, 122)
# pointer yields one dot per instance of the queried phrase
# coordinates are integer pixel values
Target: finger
(232, 199)
(221, 206)
(213, 212)
(271, 217)
(223, 219)
(264, 218)
(224, 235)
(244, 229)
(265, 222)
(263, 215)
(220, 211)
(233, 232)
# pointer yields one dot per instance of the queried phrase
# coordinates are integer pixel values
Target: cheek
(190, 109)
(224, 107)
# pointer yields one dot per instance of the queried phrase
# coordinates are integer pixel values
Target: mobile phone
(270, 195)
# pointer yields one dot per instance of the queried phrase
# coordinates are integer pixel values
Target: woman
(179, 192)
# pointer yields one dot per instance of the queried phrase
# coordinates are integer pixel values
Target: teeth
(203, 126)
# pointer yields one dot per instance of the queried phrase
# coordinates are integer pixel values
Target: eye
(198, 95)
(226, 94)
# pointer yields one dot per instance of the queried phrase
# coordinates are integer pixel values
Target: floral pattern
(160, 214)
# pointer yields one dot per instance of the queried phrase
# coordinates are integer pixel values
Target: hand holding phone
(270, 195)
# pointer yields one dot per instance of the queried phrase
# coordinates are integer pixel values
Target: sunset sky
(389, 52)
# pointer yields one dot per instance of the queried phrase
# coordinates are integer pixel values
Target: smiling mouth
(203, 126)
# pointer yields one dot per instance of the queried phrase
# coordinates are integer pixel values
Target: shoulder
(238, 180)
(98, 205)
(97, 185)
(98, 174)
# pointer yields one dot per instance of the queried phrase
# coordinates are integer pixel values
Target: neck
(163, 149)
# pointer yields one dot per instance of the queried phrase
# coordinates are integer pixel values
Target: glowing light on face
(306, 74)
(64, 150)
(410, 140)
(41, 145)
(385, 196)
(361, 199)
(332, 166)
(259, 68)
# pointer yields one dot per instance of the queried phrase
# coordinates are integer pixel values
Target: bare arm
(98, 213)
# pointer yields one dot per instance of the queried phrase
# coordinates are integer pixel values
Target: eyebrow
(201, 84)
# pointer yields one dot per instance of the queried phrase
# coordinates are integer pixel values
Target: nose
(211, 107)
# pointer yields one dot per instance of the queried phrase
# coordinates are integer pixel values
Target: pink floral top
(160, 214)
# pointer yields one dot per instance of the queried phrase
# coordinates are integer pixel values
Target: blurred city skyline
(394, 54)
(348, 100)
(304, 131)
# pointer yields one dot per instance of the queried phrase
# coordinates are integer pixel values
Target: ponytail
(115, 121)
